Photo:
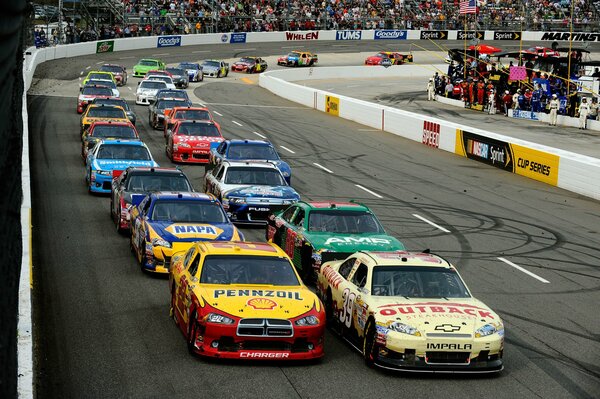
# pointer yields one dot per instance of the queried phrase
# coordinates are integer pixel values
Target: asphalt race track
(102, 327)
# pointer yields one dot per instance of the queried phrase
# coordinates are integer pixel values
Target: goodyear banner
(332, 105)
(105, 46)
(534, 164)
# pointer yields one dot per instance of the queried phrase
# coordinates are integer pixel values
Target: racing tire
(142, 256)
(311, 63)
(295, 63)
(308, 274)
(218, 74)
(329, 311)
(369, 347)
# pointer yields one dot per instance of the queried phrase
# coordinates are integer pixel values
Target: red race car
(186, 113)
(118, 71)
(89, 93)
(191, 141)
(104, 130)
(396, 58)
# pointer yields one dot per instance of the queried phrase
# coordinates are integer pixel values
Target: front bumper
(101, 183)
(239, 68)
(211, 73)
(144, 99)
(403, 352)
(222, 341)
(252, 213)
(191, 155)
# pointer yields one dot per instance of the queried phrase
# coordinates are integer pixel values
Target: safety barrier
(573, 172)
(577, 173)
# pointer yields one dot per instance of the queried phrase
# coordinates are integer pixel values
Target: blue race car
(243, 150)
(165, 223)
(109, 158)
(250, 190)
(194, 71)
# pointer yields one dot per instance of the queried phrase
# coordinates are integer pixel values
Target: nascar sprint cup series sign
(168, 41)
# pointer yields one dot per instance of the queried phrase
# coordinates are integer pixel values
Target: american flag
(468, 6)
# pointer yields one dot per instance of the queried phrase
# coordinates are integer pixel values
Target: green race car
(147, 64)
(317, 232)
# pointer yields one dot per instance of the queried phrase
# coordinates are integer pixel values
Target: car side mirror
(139, 83)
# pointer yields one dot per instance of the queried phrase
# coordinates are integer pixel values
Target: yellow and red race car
(245, 301)
(395, 58)
(410, 311)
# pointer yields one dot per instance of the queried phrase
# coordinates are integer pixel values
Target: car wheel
(142, 256)
(369, 345)
(329, 311)
(192, 333)
(218, 74)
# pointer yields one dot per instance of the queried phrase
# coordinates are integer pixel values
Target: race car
(215, 68)
(98, 75)
(180, 77)
(410, 311)
(167, 79)
(106, 130)
(172, 93)
(103, 82)
(244, 301)
(145, 65)
(186, 113)
(249, 65)
(242, 150)
(312, 233)
(119, 102)
(119, 72)
(89, 93)
(109, 158)
(97, 113)
(156, 111)
(249, 190)
(395, 58)
(165, 223)
(298, 58)
(194, 71)
(158, 72)
(132, 186)
(191, 141)
(146, 91)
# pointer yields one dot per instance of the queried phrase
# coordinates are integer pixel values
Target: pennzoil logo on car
(194, 230)
(262, 303)
(259, 293)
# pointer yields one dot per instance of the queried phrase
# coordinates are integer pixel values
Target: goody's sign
(168, 41)
(237, 38)
(348, 35)
(390, 35)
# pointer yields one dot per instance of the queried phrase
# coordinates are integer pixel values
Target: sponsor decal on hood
(120, 164)
(264, 191)
(353, 242)
(192, 230)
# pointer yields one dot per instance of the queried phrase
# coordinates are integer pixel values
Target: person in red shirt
(472, 89)
(480, 92)
(507, 101)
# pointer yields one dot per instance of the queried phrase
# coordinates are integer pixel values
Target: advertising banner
(390, 35)
(302, 36)
(238, 38)
(537, 165)
(348, 35)
(434, 35)
(168, 41)
(105, 46)
(484, 149)
(332, 105)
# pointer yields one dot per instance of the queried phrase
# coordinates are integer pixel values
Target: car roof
(183, 195)
(149, 59)
(407, 258)
(240, 248)
(258, 164)
(199, 121)
(93, 106)
(190, 107)
(239, 141)
(111, 123)
(346, 206)
(136, 143)
(134, 169)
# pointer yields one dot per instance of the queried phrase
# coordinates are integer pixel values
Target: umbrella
(485, 49)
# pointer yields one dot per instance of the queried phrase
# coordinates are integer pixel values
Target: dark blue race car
(194, 71)
(249, 150)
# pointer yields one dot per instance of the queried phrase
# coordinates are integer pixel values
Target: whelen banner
(534, 164)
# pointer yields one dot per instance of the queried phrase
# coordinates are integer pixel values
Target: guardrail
(576, 173)
(564, 169)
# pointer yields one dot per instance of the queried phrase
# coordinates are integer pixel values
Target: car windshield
(381, 55)
(166, 79)
(417, 282)
(254, 176)
(193, 114)
(164, 104)
(215, 64)
(123, 151)
(252, 151)
(96, 91)
(112, 68)
(111, 101)
(198, 129)
(114, 131)
(188, 65)
(152, 84)
(102, 82)
(245, 269)
(148, 63)
(176, 71)
(294, 54)
(345, 222)
(172, 93)
(99, 76)
(182, 211)
(146, 182)
(248, 60)
(106, 112)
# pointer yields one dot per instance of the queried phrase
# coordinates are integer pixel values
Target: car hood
(189, 232)
(352, 242)
(211, 142)
(433, 315)
(120, 164)
(259, 301)
(241, 63)
(210, 68)
(247, 191)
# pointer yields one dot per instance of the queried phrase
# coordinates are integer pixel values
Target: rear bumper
(101, 184)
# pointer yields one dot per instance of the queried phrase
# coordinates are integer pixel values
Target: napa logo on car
(193, 230)
(348, 35)
(390, 35)
(168, 41)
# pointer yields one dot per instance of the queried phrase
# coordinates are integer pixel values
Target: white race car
(146, 91)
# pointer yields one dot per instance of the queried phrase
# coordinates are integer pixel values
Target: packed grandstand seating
(155, 17)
